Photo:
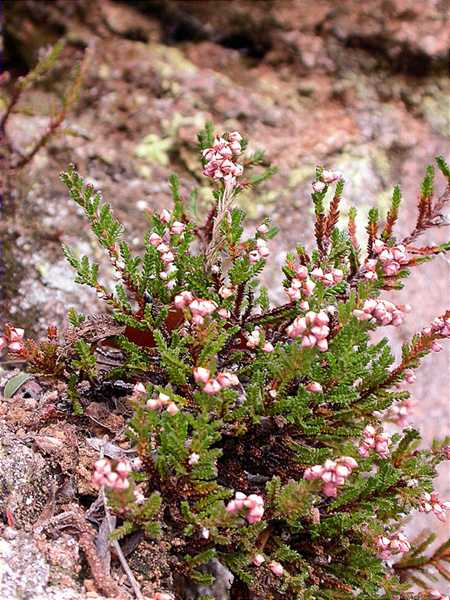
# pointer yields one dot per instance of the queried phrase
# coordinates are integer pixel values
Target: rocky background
(357, 86)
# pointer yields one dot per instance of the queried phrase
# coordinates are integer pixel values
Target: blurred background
(357, 86)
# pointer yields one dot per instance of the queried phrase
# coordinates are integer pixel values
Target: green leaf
(14, 384)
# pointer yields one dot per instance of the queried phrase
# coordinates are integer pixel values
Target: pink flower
(172, 409)
(105, 476)
(268, 347)
(314, 387)
(391, 259)
(254, 338)
(432, 503)
(177, 228)
(183, 299)
(227, 379)
(330, 176)
(409, 376)
(165, 215)
(162, 596)
(201, 374)
(400, 412)
(382, 312)
(312, 329)
(378, 441)
(138, 389)
(153, 404)
(261, 251)
(163, 248)
(263, 229)
(318, 186)
(12, 339)
(221, 158)
(333, 473)
(193, 458)
(387, 546)
(276, 568)
(167, 257)
(212, 387)
(258, 560)
(155, 239)
(253, 503)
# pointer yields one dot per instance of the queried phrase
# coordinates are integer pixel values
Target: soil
(360, 87)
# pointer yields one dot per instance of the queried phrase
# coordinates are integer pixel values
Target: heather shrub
(259, 430)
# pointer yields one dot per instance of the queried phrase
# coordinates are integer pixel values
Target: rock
(26, 574)
(25, 480)
(219, 590)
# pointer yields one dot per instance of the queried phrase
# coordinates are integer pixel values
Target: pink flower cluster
(446, 451)
(301, 286)
(167, 257)
(432, 503)
(254, 340)
(328, 278)
(12, 339)
(378, 441)
(312, 328)
(396, 543)
(400, 412)
(261, 251)
(440, 326)
(116, 479)
(410, 376)
(199, 308)
(382, 312)
(221, 158)
(163, 401)
(333, 473)
(253, 502)
(391, 258)
(326, 177)
(213, 385)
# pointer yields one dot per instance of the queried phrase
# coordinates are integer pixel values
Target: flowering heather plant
(259, 429)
